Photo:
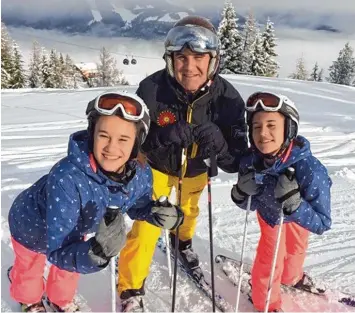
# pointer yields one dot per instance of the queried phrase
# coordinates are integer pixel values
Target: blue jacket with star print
(313, 179)
(55, 214)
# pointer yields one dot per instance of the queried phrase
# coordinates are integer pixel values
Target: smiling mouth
(110, 157)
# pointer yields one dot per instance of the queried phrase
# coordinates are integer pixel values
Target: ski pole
(113, 284)
(168, 255)
(176, 241)
(110, 215)
(242, 254)
(212, 171)
(290, 173)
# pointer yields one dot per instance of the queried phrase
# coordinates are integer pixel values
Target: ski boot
(132, 300)
(306, 283)
(187, 256)
(70, 307)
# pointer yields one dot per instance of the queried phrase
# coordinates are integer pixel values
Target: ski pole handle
(290, 173)
(111, 213)
(163, 201)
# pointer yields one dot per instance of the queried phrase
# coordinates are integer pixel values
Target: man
(193, 110)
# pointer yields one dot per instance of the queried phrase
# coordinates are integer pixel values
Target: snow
(97, 15)
(126, 14)
(167, 18)
(35, 129)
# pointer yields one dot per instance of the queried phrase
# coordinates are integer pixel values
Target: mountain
(130, 18)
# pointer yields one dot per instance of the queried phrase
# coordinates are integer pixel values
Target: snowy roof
(82, 66)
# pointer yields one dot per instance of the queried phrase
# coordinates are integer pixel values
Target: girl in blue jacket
(304, 198)
(55, 217)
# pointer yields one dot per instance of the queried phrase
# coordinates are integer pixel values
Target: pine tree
(61, 72)
(71, 76)
(314, 74)
(320, 75)
(269, 45)
(35, 78)
(301, 71)
(18, 79)
(249, 37)
(46, 75)
(231, 41)
(342, 71)
(258, 65)
(108, 73)
(7, 59)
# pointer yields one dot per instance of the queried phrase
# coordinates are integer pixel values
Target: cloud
(317, 6)
(339, 14)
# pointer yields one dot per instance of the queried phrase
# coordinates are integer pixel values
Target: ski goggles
(196, 38)
(130, 106)
(268, 102)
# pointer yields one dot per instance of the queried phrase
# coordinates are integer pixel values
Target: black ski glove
(287, 192)
(165, 215)
(210, 140)
(245, 187)
(179, 133)
(109, 238)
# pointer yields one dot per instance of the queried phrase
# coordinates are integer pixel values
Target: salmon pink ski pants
(289, 264)
(27, 279)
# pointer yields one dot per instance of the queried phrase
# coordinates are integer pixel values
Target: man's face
(191, 68)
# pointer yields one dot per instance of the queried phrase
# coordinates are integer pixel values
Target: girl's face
(268, 131)
(114, 139)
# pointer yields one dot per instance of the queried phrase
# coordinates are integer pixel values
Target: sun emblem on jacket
(166, 118)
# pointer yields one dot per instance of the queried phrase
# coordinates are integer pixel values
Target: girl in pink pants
(303, 198)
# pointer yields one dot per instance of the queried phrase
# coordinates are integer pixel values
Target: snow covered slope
(35, 129)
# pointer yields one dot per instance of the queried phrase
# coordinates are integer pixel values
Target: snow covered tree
(18, 79)
(108, 73)
(231, 41)
(269, 45)
(71, 76)
(7, 59)
(314, 73)
(342, 71)
(320, 75)
(46, 75)
(301, 71)
(35, 78)
(258, 65)
(55, 78)
(248, 40)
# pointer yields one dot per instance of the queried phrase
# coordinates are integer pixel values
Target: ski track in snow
(36, 138)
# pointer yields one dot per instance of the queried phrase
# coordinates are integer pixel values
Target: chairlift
(126, 61)
(133, 61)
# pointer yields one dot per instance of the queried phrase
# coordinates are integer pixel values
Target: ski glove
(245, 187)
(109, 238)
(179, 133)
(210, 140)
(287, 192)
(165, 215)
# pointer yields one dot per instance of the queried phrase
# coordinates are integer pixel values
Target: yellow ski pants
(136, 256)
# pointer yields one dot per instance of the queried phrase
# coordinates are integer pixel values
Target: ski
(197, 276)
(230, 267)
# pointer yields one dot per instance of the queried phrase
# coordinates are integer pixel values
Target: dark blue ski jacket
(55, 214)
(313, 179)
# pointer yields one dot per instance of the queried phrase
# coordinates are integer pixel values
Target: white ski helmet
(124, 104)
(270, 102)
